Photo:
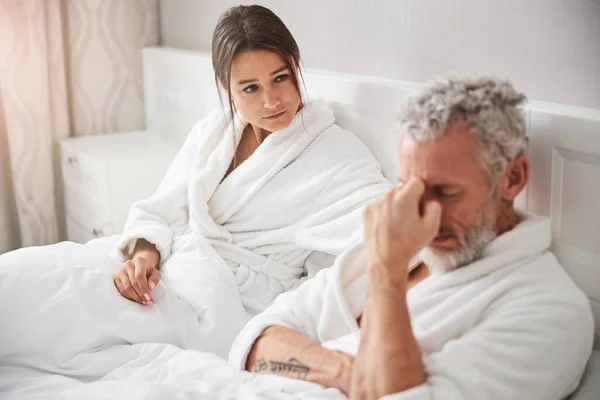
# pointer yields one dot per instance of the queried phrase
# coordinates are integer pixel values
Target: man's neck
(507, 219)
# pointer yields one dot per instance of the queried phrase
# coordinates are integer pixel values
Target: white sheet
(512, 325)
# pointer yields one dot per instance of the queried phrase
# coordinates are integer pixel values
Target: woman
(294, 184)
(255, 197)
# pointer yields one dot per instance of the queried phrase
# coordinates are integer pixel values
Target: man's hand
(397, 226)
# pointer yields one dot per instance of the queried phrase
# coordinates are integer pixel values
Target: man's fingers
(432, 216)
(412, 192)
(405, 201)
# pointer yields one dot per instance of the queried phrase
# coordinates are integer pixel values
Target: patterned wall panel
(104, 38)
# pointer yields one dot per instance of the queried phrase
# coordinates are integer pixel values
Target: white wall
(550, 49)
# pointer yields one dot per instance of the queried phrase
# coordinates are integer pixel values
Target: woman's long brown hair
(247, 28)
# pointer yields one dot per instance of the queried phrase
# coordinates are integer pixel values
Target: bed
(179, 89)
(564, 144)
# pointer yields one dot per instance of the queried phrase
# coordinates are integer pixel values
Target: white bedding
(111, 350)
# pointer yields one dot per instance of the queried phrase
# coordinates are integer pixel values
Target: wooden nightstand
(104, 175)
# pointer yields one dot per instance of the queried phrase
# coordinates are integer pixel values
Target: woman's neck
(259, 134)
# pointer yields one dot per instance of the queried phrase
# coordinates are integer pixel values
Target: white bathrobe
(512, 325)
(301, 192)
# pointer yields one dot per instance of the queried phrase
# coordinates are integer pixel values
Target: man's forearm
(394, 354)
(282, 351)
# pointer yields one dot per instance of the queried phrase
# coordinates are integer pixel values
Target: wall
(550, 49)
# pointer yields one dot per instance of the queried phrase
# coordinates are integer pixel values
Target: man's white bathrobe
(512, 325)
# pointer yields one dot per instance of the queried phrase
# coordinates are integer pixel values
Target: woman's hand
(139, 275)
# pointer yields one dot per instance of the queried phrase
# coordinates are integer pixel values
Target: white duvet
(85, 341)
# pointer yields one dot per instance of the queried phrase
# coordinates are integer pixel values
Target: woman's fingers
(141, 280)
(128, 287)
(119, 285)
(154, 278)
(130, 271)
(135, 281)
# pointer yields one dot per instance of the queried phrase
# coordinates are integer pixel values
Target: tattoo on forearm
(292, 367)
(260, 365)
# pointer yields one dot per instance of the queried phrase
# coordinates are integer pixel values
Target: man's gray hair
(488, 105)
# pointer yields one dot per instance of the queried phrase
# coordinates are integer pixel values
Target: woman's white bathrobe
(301, 192)
(512, 325)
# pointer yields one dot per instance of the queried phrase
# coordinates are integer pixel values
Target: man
(454, 294)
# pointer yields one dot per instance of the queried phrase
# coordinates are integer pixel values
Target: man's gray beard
(471, 246)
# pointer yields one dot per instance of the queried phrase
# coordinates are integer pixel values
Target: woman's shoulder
(345, 143)
(334, 136)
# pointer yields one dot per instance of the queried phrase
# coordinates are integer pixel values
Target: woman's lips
(275, 116)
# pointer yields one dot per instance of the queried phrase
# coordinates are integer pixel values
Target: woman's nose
(271, 99)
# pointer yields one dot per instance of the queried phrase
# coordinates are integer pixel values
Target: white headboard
(179, 89)
(565, 143)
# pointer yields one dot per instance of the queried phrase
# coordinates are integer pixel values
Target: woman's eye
(282, 78)
(250, 89)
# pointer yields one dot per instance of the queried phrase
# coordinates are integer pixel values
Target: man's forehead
(450, 158)
(450, 146)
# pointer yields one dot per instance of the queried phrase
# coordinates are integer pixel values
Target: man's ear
(515, 178)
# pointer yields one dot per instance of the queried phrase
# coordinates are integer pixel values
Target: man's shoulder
(545, 274)
(542, 287)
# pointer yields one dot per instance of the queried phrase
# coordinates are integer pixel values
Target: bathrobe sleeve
(298, 310)
(157, 217)
(514, 352)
